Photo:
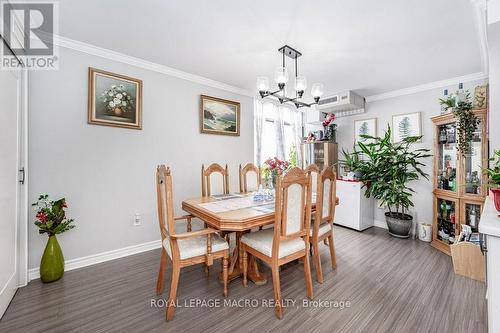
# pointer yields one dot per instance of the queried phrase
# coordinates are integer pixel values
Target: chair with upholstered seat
(289, 240)
(249, 182)
(313, 171)
(183, 249)
(322, 225)
(206, 179)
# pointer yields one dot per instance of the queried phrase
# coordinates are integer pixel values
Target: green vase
(52, 264)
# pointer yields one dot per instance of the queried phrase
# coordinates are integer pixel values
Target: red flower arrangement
(51, 216)
(275, 164)
(328, 119)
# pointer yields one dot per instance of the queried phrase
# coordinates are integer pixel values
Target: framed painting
(219, 116)
(405, 125)
(364, 127)
(114, 100)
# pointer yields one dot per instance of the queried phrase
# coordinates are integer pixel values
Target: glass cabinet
(459, 189)
(321, 153)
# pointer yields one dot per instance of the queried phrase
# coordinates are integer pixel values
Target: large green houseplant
(386, 169)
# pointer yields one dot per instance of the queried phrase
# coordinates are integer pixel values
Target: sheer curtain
(296, 123)
(279, 122)
(258, 124)
(277, 129)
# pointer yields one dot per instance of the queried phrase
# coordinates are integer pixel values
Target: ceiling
(368, 46)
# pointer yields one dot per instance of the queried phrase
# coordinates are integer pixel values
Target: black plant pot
(399, 224)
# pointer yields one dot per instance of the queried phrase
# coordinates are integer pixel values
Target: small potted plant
(272, 168)
(448, 103)
(330, 128)
(51, 219)
(494, 179)
(351, 163)
(386, 170)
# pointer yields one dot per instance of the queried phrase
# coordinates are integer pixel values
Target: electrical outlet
(137, 219)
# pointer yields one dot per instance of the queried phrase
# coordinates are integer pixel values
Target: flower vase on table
(51, 219)
(272, 168)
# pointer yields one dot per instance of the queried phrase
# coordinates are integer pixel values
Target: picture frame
(114, 100)
(405, 125)
(219, 116)
(364, 127)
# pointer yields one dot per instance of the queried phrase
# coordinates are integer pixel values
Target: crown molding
(144, 64)
(427, 86)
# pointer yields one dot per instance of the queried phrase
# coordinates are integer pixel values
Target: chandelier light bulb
(281, 76)
(317, 90)
(262, 84)
(300, 83)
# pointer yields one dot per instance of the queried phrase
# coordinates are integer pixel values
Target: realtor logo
(29, 29)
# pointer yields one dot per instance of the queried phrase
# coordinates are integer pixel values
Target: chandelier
(281, 79)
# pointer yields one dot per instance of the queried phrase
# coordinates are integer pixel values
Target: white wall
(494, 89)
(107, 174)
(425, 102)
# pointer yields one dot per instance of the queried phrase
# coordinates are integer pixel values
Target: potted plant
(51, 219)
(448, 103)
(494, 179)
(351, 163)
(272, 168)
(330, 128)
(386, 170)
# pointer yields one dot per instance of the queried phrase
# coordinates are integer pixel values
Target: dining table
(235, 213)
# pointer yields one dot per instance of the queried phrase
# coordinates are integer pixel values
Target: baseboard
(380, 224)
(34, 273)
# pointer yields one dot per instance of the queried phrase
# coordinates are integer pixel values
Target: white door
(12, 250)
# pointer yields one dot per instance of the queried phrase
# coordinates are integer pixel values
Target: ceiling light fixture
(281, 79)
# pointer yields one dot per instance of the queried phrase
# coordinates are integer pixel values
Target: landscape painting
(219, 116)
(405, 125)
(364, 127)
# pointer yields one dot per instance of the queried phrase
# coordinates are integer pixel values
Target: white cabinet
(489, 225)
(354, 210)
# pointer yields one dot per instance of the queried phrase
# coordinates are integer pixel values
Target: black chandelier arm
(285, 99)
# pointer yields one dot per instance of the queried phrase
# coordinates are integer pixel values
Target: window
(269, 145)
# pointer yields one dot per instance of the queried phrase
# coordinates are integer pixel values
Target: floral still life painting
(114, 100)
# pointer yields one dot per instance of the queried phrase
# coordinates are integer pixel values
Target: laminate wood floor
(391, 285)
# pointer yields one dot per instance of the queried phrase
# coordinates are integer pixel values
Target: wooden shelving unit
(458, 180)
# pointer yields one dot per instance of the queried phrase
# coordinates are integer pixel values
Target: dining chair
(245, 184)
(183, 249)
(289, 239)
(206, 175)
(322, 225)
(313, 170)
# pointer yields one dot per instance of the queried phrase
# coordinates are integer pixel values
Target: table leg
(236, 266)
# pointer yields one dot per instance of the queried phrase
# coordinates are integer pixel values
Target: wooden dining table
(239, 221)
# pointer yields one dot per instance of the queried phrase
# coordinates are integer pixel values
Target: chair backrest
(206, 174)
(325, 198)
(249, 184)
(292, 207)
(165, 201)
(313, 171)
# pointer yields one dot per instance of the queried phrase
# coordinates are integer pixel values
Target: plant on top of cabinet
(386, 169)
(494, 179)
(448, 102)
(466, 125)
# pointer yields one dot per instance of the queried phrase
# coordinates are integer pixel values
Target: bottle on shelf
(475, 183)
(468, 183)
(445, 185)
(460, 93)
(444, 108)
(443, 136)
(472, 217)
(451, 135)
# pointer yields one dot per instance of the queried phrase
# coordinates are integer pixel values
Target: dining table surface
(239, 213)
